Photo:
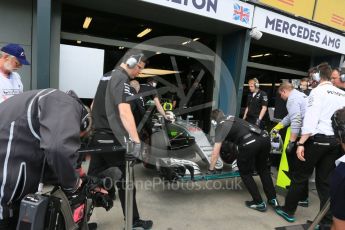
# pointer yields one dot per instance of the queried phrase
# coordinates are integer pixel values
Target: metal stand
(320, 215)
(129, 189)
(129, 195)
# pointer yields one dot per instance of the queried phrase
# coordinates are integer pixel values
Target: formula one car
(178, 145)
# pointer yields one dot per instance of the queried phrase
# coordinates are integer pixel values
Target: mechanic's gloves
(134, 152)
(278, 127)
(170, 116)
(290, 147)
(258, 122)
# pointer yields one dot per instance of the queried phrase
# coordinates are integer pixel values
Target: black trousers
(10, 223)
(319, 153)
(292, 159)
(256, 154)
(102, 161)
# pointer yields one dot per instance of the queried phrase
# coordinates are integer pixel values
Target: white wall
(80, 69)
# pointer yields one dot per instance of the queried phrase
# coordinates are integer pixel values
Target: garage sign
(282, 26)
(231, 11)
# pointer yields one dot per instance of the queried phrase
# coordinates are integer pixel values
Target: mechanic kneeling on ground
(253, 146)
(36, 125)
(337, 182)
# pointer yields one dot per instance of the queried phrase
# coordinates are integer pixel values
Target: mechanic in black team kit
(253, 146)
(115, 124)
(257, 102)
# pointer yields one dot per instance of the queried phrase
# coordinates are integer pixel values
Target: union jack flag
(241, 13)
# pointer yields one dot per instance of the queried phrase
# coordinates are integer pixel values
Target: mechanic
(304, 86)
(12, 57)
(338, 78)
(137, 102)
(254, 147)
(317, 147)
(296, 104)
(337, 182)
(114, 124)
(37, 125)
(257, 102)
(148, 92)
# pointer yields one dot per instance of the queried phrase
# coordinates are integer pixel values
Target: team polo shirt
(255, 101)
(10, 86)
(118, 91)
(231, 129)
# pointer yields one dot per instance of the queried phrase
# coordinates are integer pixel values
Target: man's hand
(133, 153)
(290, 147)
(258, 122)
(300, 153)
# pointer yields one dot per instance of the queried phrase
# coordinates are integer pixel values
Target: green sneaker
(261, 207)
(274, 203)
(285, 215)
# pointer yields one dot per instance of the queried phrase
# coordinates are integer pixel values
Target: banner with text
(282, 26)
(231, 11)
(331, 13)
(303, 8)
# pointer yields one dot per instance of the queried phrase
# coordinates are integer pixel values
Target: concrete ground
(199, 205)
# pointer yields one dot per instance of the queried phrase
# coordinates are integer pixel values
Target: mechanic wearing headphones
(257, 102)
(34, 126)
(337, 182)
(338, 78)
(114, 124)
(296, 105)
(253, 147)
(317, 147)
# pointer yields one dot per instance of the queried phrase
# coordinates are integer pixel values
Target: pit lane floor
(199, 205)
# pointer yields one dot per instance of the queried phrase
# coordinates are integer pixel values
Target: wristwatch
(300, 144)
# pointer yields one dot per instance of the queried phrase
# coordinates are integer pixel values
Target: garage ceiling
(123, 19)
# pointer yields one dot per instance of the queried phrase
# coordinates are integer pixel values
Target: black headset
(133, 60)
(338, 126)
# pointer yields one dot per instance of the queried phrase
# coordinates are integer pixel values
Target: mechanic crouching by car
(253, 147)
(37, 125)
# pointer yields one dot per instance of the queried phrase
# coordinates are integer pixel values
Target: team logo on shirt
(10, 91)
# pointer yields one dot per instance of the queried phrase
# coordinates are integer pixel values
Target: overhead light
(87, 22)
(195, 39)
(78, 42)
(158, 52)
(268, 54)
(144, 32)
(287, 55)
(256, 56)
